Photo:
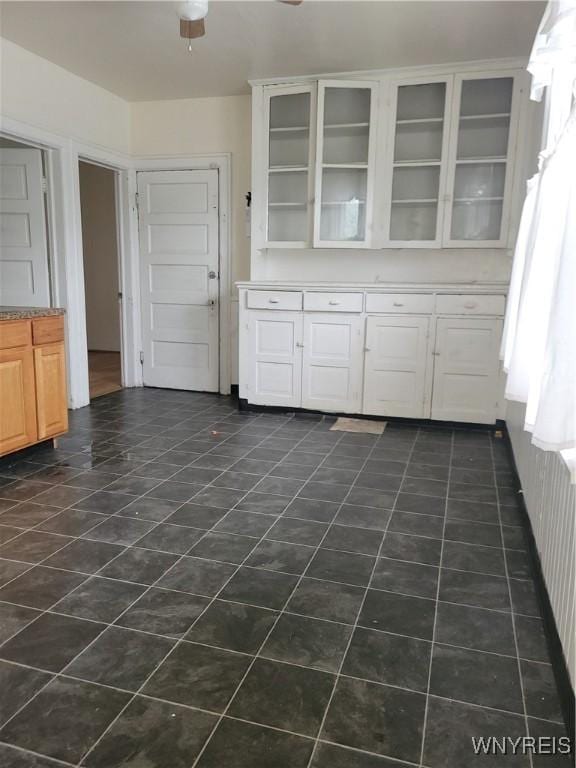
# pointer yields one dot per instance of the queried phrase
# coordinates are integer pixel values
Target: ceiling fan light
(192, 10)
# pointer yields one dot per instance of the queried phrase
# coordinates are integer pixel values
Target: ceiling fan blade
(192, 29)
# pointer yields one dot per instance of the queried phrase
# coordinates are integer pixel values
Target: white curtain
(539, 345)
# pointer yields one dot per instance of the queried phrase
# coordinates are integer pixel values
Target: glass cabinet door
(481, 157)
(344, 163)
(417, 164)
(288, 167)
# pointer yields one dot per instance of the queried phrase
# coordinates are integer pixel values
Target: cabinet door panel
(51, 399)
(275, 340)
(395, 381)
(466, 367)
(17, 403)
(332, 363)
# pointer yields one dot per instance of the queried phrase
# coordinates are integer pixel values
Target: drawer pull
(470, 304)
(300, 345)
(274, 301)
(397, 304)
(333, 303)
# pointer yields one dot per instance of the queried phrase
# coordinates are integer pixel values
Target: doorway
(98, 205)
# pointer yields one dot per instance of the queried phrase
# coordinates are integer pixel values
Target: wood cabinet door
(51, 398)
(332, 362)
(466, 369)
(395, 375)
(275, 358)
(17, 403)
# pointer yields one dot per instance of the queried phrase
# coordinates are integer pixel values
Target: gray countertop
(26, 313)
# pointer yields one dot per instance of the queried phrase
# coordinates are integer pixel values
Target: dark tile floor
(184, 585)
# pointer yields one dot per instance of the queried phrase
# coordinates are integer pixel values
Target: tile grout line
(355, 626)
(426, 706)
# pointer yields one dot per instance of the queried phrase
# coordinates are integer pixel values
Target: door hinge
(141, 358)
(44, 184)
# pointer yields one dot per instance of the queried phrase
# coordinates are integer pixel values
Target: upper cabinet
(344, 163)
(388, 163)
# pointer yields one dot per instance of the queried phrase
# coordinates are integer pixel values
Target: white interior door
(395, 381)
(332, 362)
(466, 369)
(179, 264)
(276, 358)
(24, 277)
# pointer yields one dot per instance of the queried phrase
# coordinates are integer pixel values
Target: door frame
(220, 163)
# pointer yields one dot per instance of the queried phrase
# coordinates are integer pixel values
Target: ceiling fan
(193, 14)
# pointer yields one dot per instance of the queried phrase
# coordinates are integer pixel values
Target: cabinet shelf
(420, 120)
(336, 126)
(416, 201)
(288, 169)
(486, 159)
(490, 116)
(291, 129)
(408, 163)
(477, 199)
(287, 205)
(354, 166)
(343, 202)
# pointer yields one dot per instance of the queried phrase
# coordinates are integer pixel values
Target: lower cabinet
(17, 400)
(51, 406)
(396, 381)
(275, 358)
(466, 369)
(441, 362)
(332, 362)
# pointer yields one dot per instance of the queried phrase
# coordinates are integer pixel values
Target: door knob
(212, 275)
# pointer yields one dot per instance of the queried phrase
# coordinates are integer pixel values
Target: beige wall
(99, 241)
(203, 126)
(41, 94)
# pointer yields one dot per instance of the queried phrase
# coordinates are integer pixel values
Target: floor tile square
(266, 589)
(368, 497)
(243, 745)
(174, 491)
(226, 548)
(385, 658)
(245, 523)
(279, 556)
(50, 642)
(198, 676)
(145, 508)
(474, 677)
(105, 502)
(99, 599)
(33, 546)
(241, 481)
(164, 612)
(483, 534)
(196, 516)
(197, 475)
(39, 587)
(363, 517)
(400, 614)
(451, 726)
(350, 539)
(424, 505)
(472, 511)
(300, 708)
(417, 524)
(326, 600)
(416, 549)
(233, 626)
(469, 492)
(524, 598)
(376, 718)
(119, 530)
(531, 638)
(61, 496)
(13, 618)
(344, 567)
(120, 658)
(153, 734)
(28, 514)
(542, 729)
(295, 531)
(333, 756)
(133, 485)
(309, 509)
(221, 498)
(201, 577)
(174, 539)
(144, 566)
(475, 628)
(84, 555)
(474, 589)
(324, 491)
(71, 522)
(540, 691)
(469, 557)
(407, 578)
(308, 642)
(82, 711)
(18, 684)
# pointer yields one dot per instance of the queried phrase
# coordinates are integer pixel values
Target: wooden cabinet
(17, 399)
(33, 399)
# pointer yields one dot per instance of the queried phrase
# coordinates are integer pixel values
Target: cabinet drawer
(48, 330)
(274, 300)
(14, 333)
(414, 303)
(333, 302)
(470, 304)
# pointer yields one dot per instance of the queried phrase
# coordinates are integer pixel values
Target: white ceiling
(134, 49)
